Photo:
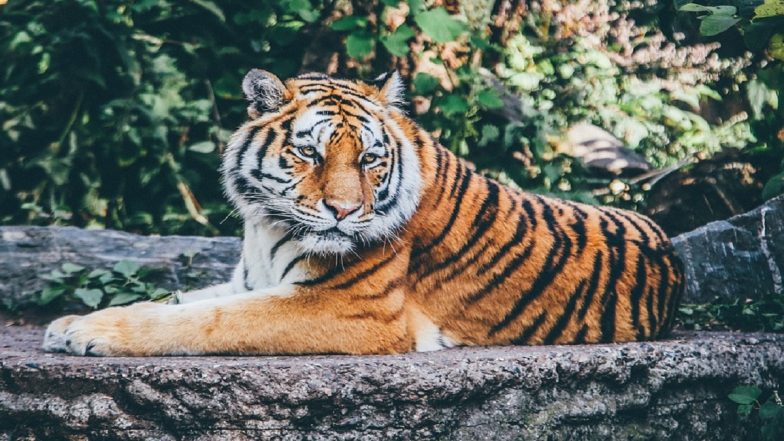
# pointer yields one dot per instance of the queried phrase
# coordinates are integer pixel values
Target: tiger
(363, 235)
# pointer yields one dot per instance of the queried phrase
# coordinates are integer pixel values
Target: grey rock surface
(673, 389)
(740, 256)
(186, 262)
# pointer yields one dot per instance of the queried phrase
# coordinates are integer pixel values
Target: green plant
(767, 412)
(765, 313)
(760, 22)
(124, 283)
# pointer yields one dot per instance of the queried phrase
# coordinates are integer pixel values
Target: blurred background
(114, 113)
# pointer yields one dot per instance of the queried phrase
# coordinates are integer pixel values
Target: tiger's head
(324, 158)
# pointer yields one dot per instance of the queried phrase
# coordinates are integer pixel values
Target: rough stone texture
(187, 262)
(743, 255)
(740, 256)
(674, 389)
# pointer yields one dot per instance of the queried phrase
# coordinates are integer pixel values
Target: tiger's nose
(341, 209)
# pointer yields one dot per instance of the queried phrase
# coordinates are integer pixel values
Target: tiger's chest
(271, 257)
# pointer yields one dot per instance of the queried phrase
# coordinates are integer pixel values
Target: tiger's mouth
(331, 241)
(333, 233)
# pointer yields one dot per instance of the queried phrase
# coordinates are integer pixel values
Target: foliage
(765, 313)
(115, 113)
(760, 22)
(124, 283)
(768, 412)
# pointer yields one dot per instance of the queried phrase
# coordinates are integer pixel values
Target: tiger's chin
(327, 243)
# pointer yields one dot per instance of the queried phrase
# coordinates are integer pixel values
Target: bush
(115, 113)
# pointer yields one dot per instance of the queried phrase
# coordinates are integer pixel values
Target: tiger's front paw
(54, 338)
(109, 332)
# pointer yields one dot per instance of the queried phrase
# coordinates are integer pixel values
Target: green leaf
(489, 99)
(771, 8)
(715, 24)
(158, 293)
(106, 278)
(776, 47)
(715, 10)
(770, 410)
(126, 268)
(203, 147)
(397, 42)
(90, 297)
(96, 273)
(359, 44)
(349, 23)
(439, 25)
(490, 133)
(425, 84)
(124, 298)
(211, 7)
(745, 394)
(693, 7)
(759, 95)
(50, 293)
(774, 187)
(304, 9)
(71, 268)
(744, 409)
(453, 105)
(416, 6)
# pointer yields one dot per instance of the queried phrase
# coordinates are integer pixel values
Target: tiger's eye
(308, 151)
(369, 158)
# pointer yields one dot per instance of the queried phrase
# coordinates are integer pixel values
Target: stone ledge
(672, 389)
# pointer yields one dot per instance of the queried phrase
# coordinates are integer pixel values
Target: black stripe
(291, 264)
(616, 243)
(483, 220)
(241, 183)
(640, 282)
(278, 244)
(557, 329)
(261, 176)
(398, 154)
(593, 285)
(442, 179)
(655, 228)
(365, 273)
(580, 337)
(245, 275)
(516, 239)
(561, 247)
(676, 291)
(664, 279)
(465, 180)
(530, 330)
(578, 226)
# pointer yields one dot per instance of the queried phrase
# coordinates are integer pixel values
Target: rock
(600, 150)
(187, 262)
(674, 389)
(740, 256)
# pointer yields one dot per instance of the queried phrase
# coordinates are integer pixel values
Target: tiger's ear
(391, 89)
(265, 92)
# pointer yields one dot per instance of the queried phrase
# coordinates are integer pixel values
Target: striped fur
(405, 249)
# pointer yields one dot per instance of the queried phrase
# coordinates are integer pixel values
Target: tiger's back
(501, 266)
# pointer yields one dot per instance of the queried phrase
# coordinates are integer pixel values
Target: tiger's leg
(278, 320)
